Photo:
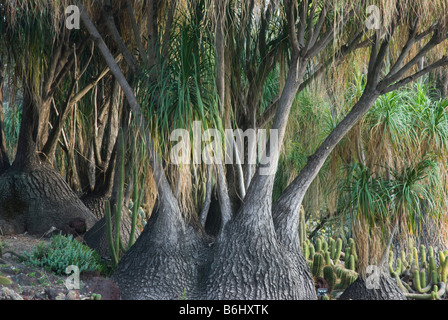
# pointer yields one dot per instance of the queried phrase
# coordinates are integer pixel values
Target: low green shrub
(62, 252)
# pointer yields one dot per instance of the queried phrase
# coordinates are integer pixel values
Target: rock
(28, 292)
(24, 279)
(60, 296)
(52, 293)
(72, 295)
(105, 287)
(8, 294)
(75, 227)
(79, 224)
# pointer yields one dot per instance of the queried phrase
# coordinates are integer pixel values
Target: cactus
(306, 250)
(351, 278)
(351, 265)
(330, 277)
(417, 274)
(347, 278)
(403, 260)
(423, 256)
(432, 262)
(435, 294)
(347, 257)
(312, 251)
(398, 267)
(323, 259)
(318, 263)
(319, 245)
(443, 266)
(337, 252)
(328, 259)
(423, 278)
(415, 257)
(324, 245)
(339, 271)
(332, 247)
(5, 281)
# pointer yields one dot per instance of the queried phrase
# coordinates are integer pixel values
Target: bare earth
(35, 283)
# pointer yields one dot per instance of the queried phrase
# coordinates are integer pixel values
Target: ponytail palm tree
(379, 207)
(256, 253)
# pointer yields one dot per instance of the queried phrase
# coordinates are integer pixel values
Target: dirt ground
(35, 283)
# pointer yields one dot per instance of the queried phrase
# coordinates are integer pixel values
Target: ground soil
(35, 283)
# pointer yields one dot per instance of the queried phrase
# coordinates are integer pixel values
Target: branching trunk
(286, 209)
(165, 246)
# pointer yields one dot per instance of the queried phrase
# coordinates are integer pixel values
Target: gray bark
(97, 237)
(35, 199)
(249, 262)
(387, 289)
(170, 260)
(287, 207)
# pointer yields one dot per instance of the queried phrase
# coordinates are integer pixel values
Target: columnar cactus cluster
(418, 274)
(328, 260)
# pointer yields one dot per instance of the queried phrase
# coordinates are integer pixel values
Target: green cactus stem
(428, 296)
(417, 283)
(330, 277)
(318, 264)
(5, 281)
(338, 250)
(319, 245)
(423, 256)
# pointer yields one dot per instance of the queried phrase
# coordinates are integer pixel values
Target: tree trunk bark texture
(170, 260)
(245, 261)
(387, 290)
(97, 237)
(37, 198)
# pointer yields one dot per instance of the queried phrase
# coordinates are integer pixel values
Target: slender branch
(439, 63)
(52, 70)
(406, 48)
(112, 28)
(163, 188)
(316, 30)
(136, 30)
(50, 146)
(310, 26)
(302, 23)
(379, 59)
(345, 50)
(66, 66)
(269, 113)
(168, 26)
(291, 28)
(435, 40)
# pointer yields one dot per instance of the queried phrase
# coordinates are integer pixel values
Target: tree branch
(439, 63)
(163, 187)
(136, 30)
(113, 31)
(435, 40)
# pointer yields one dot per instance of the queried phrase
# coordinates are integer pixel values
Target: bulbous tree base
(36, 199)
(97, 236)
(385, 289)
